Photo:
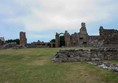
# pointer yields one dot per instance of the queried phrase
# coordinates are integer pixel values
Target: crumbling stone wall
(2, 41)
(67, 39)
(76, 39)
(110, 37)
(86, 55)
(57, 43)
(40, 44)
(83, 35)
(23, 39)
(107, 38)
(95, 41)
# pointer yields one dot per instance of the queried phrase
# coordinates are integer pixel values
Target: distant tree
(62, 41)
(13, 40)
(53, 40)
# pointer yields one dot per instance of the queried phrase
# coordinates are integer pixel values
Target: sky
(41, 19)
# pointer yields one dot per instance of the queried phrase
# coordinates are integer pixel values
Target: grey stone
(86, 55)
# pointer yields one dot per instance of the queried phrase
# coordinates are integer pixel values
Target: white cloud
(64, 13)
(61, 14)
(40, 36)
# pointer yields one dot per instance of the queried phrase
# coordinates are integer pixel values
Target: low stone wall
(85, 55)
(11, 45)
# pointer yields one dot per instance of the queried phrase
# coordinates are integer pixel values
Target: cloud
(65, 14)
(47, 15)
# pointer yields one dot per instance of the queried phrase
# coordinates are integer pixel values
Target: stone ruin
(92, 56)
(23, 39)
(107, 38)
(10, 45)
(86, 55)
(2, 41)
(23, 43)
(41, 44)
(75, 39)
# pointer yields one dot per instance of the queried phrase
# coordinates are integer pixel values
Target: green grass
(35, 66)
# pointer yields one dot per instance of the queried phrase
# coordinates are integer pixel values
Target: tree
(62, 41)
(17, 41)
(53, 40)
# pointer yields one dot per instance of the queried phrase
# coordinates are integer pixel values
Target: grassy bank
(35, 66)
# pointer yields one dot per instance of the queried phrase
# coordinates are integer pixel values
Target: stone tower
(83, 35)
(67, 39)
(101, 32)
(23, 39)
(2, 40)
(83, 29)
(57, 43)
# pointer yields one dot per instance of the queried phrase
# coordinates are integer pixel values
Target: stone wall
(2, 41)
(13, 45)
(42, 44)
(67, 39)
(76, 39)
(57, 41)
(110, 37)
(95, 41)
(86, 55)
(83, 35)
(106, 38)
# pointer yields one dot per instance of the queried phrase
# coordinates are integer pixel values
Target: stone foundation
(86, 55)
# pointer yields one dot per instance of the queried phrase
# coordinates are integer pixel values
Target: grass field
(35, 66)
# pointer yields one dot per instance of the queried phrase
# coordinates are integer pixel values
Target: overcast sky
(41, 19)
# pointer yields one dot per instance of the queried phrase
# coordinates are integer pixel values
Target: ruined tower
(83, 35)
(23, 39)
(57, 43)
(101, 32)
(83, 29)
(2, 40)
(67, 39)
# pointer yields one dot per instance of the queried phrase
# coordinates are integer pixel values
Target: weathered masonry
(86, 55)
(23, 39)
(107, 37)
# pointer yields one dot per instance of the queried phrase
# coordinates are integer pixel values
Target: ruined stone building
(40, 44)
(110, 36)
(107, 37)
(23, 39)
(2, 40)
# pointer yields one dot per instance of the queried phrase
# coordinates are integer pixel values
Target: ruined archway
(64, 40)
(60, 40)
